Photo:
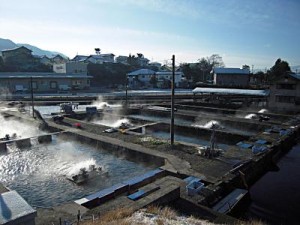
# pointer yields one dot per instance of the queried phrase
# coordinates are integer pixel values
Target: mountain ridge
(6, 44)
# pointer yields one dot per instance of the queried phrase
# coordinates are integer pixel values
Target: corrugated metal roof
(27, 75)
(295, 75)
(231, 71)
(227, 91)
(141, 72)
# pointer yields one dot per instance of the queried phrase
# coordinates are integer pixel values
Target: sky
(252, 32)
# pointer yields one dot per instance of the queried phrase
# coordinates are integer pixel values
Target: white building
(101, 58)
(143, 77)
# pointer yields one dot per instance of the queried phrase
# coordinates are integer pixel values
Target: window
(53, 85)
(285, 99)
(286, 86)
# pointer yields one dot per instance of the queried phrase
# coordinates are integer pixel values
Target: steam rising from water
(39, 172)
(84, 164)
(111, 114)
(22, 129)
(250, 116)
(263, 111)
(101, 104)
(209, 124)
(4, 93)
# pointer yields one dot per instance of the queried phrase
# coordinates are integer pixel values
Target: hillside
(8, 44)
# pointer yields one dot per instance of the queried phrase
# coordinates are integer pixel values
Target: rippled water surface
(276, 196)
(39, 173)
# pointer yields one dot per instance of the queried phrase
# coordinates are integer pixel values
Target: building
(72, 67)
(148, 78)
(122, 59)
(165, 77)
(142, 61)
(140, 78)
(234, 77)
(21, 82)
(101, 58)
(79, 58)
(46, 61)
(20, 57)
(59, 59)
(155, 64)
(285, 93)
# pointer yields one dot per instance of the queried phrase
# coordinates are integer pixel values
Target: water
(182, 138)
(276, 196)
(20, 128)
(47, 110)
(39, 173)
(202, 124)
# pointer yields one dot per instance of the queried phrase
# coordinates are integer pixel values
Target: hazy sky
(253, 32)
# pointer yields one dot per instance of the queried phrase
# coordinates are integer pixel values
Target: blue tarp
(259, 148)
(191, 179)
(143, 177)
(244, 145)
(261, 141)
(137, 195)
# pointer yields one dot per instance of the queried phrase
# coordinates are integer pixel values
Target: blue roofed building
(231, 77)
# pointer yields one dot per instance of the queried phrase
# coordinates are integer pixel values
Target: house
(285, 93)
(79, 58)
(148, 78)
(20, 57)
(140, 78)
(45, 60)
(43, 82)
(166, 76)
(122, 59)
(101, 58)
(59, 59)
(234, 77)
(142, 61)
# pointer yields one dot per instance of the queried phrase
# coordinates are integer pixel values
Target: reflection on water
(276, 196)
(39, 173)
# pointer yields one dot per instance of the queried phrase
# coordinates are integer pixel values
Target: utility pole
(126, 94)
(32, 103)
(172, 101)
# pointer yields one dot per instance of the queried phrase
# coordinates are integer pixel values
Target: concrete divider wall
(117, 150)
(238, 123)
(3, 147)
(23, 143)
(45, 138)
(222, 136)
